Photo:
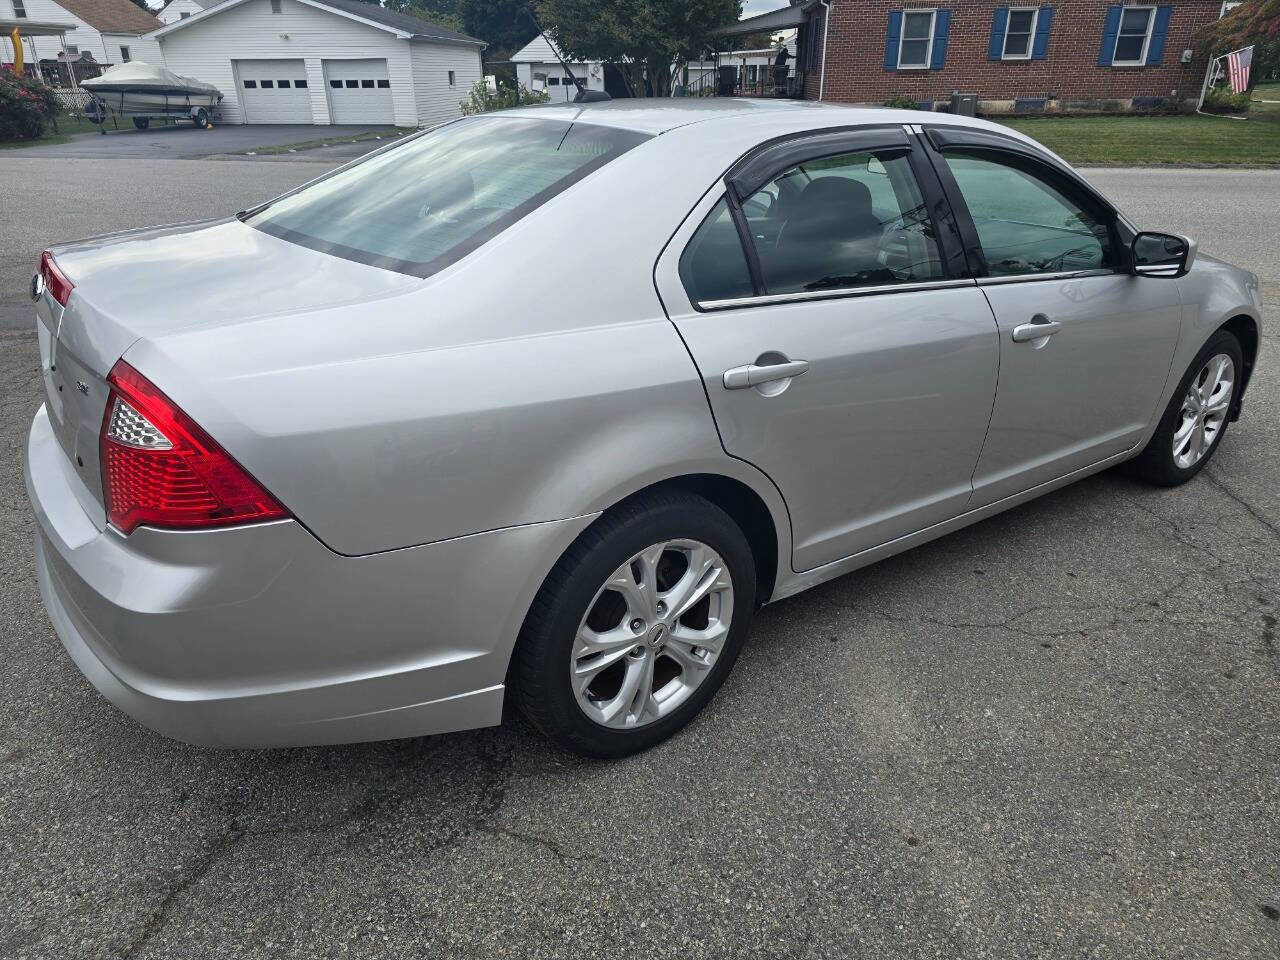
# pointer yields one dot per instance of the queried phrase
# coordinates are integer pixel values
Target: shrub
(27, 107)
(480, 99)
(1222, 100)
(902, 103)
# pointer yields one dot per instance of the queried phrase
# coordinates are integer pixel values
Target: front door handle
(1037, 328)
(754, 374)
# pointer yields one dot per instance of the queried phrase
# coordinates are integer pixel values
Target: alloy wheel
(1204, 411)
(652, 634)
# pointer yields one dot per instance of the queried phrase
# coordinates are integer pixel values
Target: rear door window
(424, 204)
(857, 219)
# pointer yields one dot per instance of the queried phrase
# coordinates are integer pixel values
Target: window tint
(1025, 223)
(713, 266)
(1017, 39)
(853, 220)
(434, 198)
(1133, 35)
(917, 36)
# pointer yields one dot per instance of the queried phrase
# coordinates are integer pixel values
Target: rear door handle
(1035, 330)
(753, 374)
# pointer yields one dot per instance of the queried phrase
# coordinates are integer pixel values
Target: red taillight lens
(54, 280)
(159, 468)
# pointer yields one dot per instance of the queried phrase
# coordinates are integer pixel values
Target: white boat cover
(143, 78)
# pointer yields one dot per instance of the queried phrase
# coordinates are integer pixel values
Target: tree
(643, 38)
(1255, 22)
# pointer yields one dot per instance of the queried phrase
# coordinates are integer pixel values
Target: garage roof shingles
(112, 16)
(397, 21)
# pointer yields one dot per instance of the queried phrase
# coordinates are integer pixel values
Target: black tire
(201, 119)
(1156, 464)
(142, 122)
(539, 674)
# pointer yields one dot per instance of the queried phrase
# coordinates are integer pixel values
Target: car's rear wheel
(637, 625)
(1196, 419)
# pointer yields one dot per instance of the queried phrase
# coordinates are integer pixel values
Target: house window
(1133, 36)
(551, 81)
(300, 84)
(282, 84)
(1228, 6)
(124, 55)
(366, 84)
(353, 84)
(19, 10)
(1017, 38)
(72, 50)
(916, 46)
(453, 78)
(336, 84)
(384, 84)
(275, 5)
(268, 84)
(251, 84)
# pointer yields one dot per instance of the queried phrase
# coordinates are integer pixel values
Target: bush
(481, 99)
(902, 103)
(27, 107)
(1222, 100)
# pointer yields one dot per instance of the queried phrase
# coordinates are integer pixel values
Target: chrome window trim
(1059, 275)
(805, 296)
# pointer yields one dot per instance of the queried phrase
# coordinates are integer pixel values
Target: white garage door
(359, 91)
(274, 91)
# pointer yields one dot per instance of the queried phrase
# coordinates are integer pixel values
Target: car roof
(658, 115)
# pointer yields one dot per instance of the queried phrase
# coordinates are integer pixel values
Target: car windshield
(419, 207)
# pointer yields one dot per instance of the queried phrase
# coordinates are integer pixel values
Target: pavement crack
(1253, 511)
(555, 849)
(221, 846)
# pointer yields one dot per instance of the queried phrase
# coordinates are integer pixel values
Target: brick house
(1032, 56)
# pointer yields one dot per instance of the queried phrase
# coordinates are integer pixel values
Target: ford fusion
(543, 405)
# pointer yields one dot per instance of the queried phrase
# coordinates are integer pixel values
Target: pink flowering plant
(27, 107)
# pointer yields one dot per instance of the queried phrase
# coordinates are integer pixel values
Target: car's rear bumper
(261, 636)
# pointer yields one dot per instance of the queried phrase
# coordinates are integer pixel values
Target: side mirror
(1165, 255)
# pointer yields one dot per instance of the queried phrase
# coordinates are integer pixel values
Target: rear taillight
(54, 280)
(159, 468)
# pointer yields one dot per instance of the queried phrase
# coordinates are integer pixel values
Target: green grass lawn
(67, 125)
(1138, 141)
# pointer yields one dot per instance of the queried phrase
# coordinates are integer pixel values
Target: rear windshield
(421, 206)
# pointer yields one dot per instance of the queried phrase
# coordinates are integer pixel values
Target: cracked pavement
(1055, 733)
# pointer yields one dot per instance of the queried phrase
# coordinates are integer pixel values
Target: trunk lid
(146, 284)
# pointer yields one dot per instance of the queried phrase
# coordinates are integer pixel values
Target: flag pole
(1210, 75)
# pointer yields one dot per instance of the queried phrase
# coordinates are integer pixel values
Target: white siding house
(323, 61)
(539, 68)
(176, 10)
(109, 31)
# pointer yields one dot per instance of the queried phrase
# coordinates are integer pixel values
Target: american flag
(1238, 64)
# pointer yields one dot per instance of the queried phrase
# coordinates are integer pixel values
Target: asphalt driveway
(1053, 734)
(184, 141)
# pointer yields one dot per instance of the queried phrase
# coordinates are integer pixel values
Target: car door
(821, 291)
(1085, 346)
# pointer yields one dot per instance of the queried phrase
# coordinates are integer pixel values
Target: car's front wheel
(637, 625)
(1197, 415)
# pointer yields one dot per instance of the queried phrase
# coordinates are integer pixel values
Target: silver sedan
(544, 404)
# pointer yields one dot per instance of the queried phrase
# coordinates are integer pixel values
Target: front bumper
(260, 635)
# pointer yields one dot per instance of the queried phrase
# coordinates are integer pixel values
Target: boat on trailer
(144, 93)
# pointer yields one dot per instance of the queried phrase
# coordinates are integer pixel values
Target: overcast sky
(751, 8)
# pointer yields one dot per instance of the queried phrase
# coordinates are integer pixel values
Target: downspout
(826, 29)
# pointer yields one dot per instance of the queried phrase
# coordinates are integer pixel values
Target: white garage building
(324, 61)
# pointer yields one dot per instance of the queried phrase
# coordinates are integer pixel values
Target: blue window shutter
(1155, 49)
(1040, 49)
(941, 28)
(891, 40)
(1109, 35)
(999, 25)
